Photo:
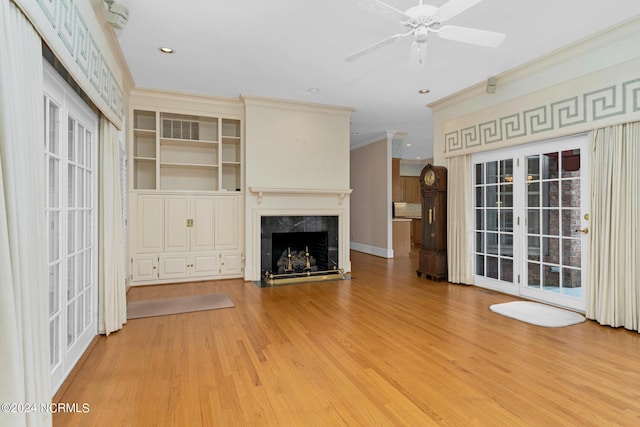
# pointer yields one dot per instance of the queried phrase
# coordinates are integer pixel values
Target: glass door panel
(69, 160)
(530, 220)
(493, 212)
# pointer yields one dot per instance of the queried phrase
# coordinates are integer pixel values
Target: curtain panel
(613, 296)
(24, 293)
(112, 304)
(460, 220)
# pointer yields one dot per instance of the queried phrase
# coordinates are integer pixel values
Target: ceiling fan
(423, 19)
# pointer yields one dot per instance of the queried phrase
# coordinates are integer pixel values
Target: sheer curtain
(460, 220)
(613, 296)
(24, 333)
(112, 304)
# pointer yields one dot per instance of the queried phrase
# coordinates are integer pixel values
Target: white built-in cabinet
(186, 189)
(186, 236)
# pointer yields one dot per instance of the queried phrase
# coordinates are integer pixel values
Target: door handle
(584, 230)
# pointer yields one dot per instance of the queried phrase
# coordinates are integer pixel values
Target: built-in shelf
(186, 152)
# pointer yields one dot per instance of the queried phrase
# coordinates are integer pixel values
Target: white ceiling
(282, 48)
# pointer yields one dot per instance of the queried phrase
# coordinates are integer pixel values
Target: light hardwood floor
(382, 349)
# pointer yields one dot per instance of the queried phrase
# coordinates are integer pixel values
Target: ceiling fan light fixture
(419, 55)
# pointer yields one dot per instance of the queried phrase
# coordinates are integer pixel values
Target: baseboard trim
(372, 250)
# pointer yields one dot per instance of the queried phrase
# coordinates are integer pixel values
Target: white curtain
(613, 296)
(24, 320)
(460, 220)
(112, 303)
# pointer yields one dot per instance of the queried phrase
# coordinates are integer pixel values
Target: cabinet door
(231, 263)
(177, 236)
(412, 189)
(174, 266)
(144, 268)
(204, 264)
(202, 212)
(150, 223)
(226, 223)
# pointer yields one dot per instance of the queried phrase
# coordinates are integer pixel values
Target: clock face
(429, 178)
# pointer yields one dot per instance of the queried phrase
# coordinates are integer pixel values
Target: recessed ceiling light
(166, 50)
(313, 90)
(355, 133)
(418, 157)
(407, 145)
(423, 91)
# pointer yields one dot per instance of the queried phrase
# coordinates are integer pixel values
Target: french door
(71, 199)
(531, 220)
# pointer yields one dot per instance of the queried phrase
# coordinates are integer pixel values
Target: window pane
(533, 247)
(492, 219)
(533, 195)
(506, 245)
(506, 220)
(572, 282)
(492, 267)
(506, 196)
(492, 172)
(506, 269)
(551, 250)
(550, 165)
(479, 219)
(479, 174)
(479, 242)
(71, 186)
(570, 163)
(551, 278)
(492, 196)
(492, 243)
(571, 193)
(54, 235)
(550, 194)
(53, 128)
(551, 222)
(70, 324)
(570, 221)
(71, 140)
(54, 182)
(54, 287)
(571, 252)
(533, 168)
(480, 265)
(533, 221)
(533, 275)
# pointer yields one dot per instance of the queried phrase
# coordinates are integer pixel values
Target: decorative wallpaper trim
(590, 107)
(79, 44)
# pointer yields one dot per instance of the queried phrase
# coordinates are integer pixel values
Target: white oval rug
(538, 314)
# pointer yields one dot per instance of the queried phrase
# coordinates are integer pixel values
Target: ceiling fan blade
(377, 45)
(471, 36)
(385, 10)
(453, 8)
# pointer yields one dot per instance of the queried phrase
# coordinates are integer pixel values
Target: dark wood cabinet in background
(432, 261)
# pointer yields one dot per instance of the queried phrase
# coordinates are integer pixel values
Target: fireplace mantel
(339, 193)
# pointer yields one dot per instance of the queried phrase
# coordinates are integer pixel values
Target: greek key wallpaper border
(89, 63)
(590, 107)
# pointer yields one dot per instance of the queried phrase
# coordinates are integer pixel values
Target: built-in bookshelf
(186, 152)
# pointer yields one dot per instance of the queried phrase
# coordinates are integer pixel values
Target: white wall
(301, 152)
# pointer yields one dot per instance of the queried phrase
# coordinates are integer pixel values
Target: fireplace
(299, 248)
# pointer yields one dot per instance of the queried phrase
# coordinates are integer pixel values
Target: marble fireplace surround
(296, 203)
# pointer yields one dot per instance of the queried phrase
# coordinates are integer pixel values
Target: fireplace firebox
(299, 249)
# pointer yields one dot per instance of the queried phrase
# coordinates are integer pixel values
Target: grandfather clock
(432, 261)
